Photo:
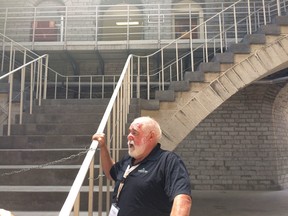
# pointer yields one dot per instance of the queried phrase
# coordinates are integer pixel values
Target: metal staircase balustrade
(128, 85)
(73, 198)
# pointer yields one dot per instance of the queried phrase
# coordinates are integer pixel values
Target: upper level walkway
(114, 27)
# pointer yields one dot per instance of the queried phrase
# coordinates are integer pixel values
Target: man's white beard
(134, 151)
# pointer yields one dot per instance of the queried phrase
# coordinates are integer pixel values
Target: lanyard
(127, 172)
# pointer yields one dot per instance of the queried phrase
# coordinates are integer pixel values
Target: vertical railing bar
(11, 56)
(91, 188)
(22, 86)
(67, 83)
(126, 96)
(177, 61)
(222, 28)
(37, 69)
(79, 87)
(108, 141)
(249, 17)
(31, 87)
(76, 208)
(221, 34)
(55, 88)
(10, 104)
(121, 110)
(148, 78)
(46, 76)
(235, 24)
(40, 82)
(182, 69)
(162, 71)
(278, 8)
(138, 77)
(132, 76)
(21, 95)
(117, 126)
(192, 52)
(206, 43)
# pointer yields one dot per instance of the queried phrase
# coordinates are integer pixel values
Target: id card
(114, 210)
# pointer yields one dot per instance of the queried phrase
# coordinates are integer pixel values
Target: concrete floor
(224, 203)
(240, 203)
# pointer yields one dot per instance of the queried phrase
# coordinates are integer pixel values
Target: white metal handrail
(38, 62)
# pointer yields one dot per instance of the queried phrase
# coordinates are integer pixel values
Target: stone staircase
(186, 103)
(41, 158)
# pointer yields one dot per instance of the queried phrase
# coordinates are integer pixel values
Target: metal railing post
(91, 188)
(148, 77)
(31, 86)
(45, 77)
(249, 17)
(177, 61)
(161, 80)
(10, 104)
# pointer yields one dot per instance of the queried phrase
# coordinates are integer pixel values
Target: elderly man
(149, 181)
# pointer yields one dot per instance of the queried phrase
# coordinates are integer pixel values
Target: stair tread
(45, 167)
(42, 188)
(50, 213)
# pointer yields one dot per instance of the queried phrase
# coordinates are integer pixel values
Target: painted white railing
(168, 70)
(25, 77)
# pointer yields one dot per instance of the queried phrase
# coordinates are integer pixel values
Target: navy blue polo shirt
(150, 189)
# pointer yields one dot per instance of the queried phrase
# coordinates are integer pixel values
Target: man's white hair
(150, 124)
(4, 212)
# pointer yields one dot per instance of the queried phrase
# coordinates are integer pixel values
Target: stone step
(75, 118)
(52, 129)
(41, 156)
(28, 175)
(44, 198)
(54, 102)
(52, 213)
(45, 141)
(70, 109)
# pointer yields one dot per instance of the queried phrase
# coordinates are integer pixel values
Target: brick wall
(243, 144)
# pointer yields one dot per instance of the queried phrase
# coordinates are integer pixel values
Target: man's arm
(181, 205)
(106, 160)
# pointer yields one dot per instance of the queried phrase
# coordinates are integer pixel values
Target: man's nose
(129, 137)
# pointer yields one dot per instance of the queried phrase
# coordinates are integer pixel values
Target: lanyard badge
(114, 208)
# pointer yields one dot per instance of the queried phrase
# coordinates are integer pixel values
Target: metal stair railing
(35, 81)
(234, 22)
(115, 115)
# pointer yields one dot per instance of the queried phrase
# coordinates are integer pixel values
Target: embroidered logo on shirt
(143, 170)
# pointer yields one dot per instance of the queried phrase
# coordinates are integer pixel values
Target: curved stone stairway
(255, 57)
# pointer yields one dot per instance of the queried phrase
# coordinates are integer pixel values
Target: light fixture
(127, 23)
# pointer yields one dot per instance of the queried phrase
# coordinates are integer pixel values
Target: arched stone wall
(280, 123)
(242, 145)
